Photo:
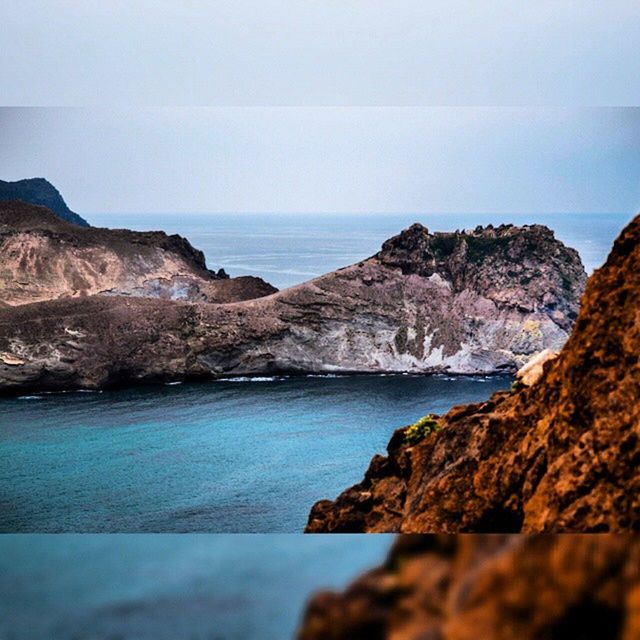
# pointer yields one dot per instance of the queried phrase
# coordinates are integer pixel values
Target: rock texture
(419, 305)
(466, 302)
(40, 191)
(44, 258)
(578, 587)
(560, 455)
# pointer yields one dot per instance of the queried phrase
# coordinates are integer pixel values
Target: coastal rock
(517, 295)
(472, 302)
(45, 258)
(41, 192)
(532, 371)
(560, 455)
(490, 587)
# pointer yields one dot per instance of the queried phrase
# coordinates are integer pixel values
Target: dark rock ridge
(43, 258)
(560, 455)
(386, 313)
(524, 268)
(40, 191)
(489, 587)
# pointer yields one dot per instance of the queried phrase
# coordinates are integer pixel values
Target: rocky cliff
(40, 191)
(44, 258)
(578, 587)
(559, 455)
(464, 302)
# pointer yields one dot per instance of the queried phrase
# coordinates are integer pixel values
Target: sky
(320, 52)
(318, 159)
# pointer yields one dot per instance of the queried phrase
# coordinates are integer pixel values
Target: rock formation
(44, 258)
(582, 587)
(40, 191)
(560, 455)
(481, 301)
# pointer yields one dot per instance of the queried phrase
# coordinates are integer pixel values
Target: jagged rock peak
(516, 267)
(416, 250)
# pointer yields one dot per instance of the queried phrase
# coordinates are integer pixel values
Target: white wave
(252, 379)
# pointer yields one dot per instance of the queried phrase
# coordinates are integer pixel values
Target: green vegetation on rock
(420, 429)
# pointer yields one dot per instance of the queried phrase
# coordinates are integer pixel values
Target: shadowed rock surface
(578, 587)
(561, 455)
(41, 192)
(45, 258)
(418, 306)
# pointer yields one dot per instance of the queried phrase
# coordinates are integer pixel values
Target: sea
(240, 456)
(286, 249)
(171, 587)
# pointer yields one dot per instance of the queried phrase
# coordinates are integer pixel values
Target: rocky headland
(489, 587)
(117, 307)
(560, 452)
(42, 192)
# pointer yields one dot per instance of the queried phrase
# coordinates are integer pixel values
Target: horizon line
(357, 213)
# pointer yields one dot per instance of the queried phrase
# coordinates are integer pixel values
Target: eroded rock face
(559, 455)
(371, 317)
(501, 587)
(466, 302)
(45, 258)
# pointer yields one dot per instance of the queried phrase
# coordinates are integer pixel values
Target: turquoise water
(288, 249)
(196, 587)
(225, 456)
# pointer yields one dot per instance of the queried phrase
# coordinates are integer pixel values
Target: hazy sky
(329, 159)
(312, 52)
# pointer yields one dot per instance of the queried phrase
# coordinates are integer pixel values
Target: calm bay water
(195, 587)
(226, 456)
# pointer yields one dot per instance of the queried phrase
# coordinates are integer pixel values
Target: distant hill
(42, 192)
(45, 258)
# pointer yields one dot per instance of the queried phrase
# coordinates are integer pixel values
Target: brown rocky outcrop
(515, 294)
(489, 587)
(560, 455)
(44, 258)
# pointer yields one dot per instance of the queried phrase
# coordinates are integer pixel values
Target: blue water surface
(170, 587)
(223, 456)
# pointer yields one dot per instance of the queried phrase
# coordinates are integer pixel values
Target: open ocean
(232, 456)
(287, 249)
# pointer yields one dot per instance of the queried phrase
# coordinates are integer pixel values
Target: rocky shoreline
(94, 308)
(494, 587)
(559, 455)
